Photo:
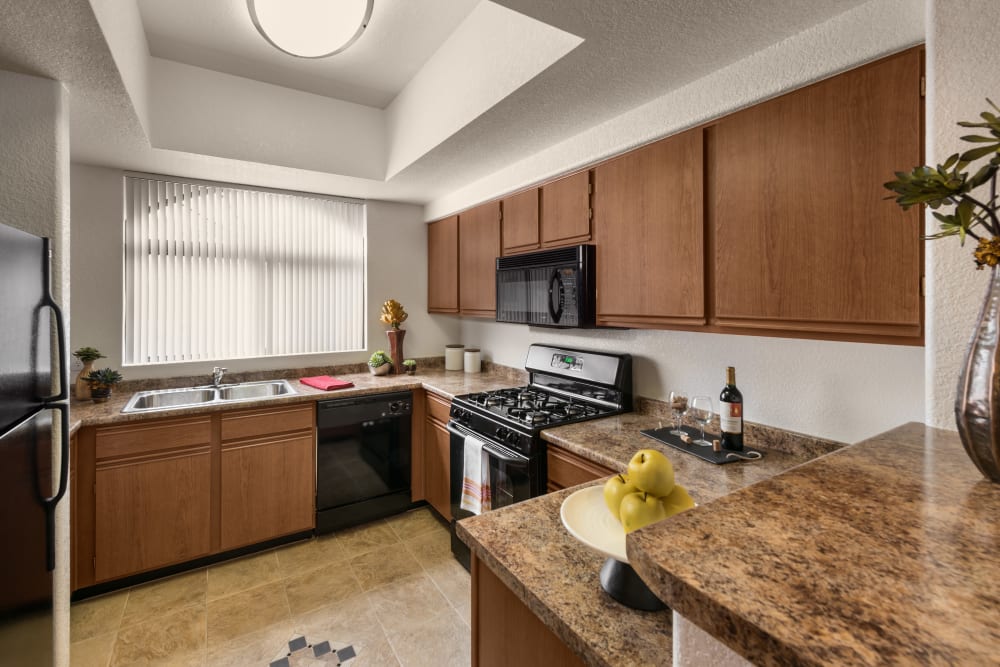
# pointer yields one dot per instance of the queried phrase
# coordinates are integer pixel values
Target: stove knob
(394, 407)
(501, 432)
(512, 438)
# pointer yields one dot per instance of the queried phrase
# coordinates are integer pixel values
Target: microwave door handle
(555, 289)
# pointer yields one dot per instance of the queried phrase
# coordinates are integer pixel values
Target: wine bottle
(731, 413)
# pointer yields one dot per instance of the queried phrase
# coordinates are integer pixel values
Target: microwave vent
(572, 255)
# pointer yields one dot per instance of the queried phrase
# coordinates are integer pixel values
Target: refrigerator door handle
(50, 503)
(49, 302)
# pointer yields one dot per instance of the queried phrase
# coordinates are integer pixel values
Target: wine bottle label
(731, 417)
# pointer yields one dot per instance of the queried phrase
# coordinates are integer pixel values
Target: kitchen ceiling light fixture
(310, 28)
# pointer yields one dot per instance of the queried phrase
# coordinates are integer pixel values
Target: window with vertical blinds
(215, 271)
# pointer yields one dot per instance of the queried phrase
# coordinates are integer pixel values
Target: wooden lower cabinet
(566, 469)
(505, 633)
(437, 455)
(268, 488)
(162, 492)
(152, 513)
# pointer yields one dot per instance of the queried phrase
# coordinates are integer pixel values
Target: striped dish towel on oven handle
(475, 476)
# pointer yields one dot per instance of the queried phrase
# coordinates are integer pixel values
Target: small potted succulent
(102, 382)
(379, 363)
(410, 366)
(87, 356)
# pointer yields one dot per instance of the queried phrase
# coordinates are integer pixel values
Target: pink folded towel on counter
(475, 477)
(326, 383)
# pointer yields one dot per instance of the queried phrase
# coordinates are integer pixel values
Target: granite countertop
(887, 552)
(528, 548)
(438, 380)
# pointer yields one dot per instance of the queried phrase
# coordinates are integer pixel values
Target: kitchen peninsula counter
(886, 552)
(528, 549)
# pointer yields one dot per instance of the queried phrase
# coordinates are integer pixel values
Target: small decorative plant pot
(411, 370)
(384, 369)
(100, 394)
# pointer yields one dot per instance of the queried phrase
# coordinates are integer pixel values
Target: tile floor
(390, 589)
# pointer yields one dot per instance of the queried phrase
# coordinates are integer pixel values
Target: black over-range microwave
(549, 288)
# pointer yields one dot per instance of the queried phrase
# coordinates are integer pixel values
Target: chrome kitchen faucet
(217, 374)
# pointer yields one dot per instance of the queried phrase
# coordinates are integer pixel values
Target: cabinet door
(479, 246)
(565, 217)
(505, 632)
(805, 239)
(152, 495)
(267, 488)
(437, 467)
(442, 266)
(566, 469)
(152, 512)
(648, 228)
(520, 222)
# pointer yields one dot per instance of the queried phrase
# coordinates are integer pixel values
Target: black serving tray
(704, 453)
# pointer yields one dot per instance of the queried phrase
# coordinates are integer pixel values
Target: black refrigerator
(34, 443)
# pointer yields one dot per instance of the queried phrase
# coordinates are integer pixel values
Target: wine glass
(678, 406)
(701, 412)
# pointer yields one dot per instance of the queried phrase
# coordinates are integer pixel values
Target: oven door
(513, 478)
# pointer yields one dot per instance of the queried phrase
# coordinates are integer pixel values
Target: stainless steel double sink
(190, 397)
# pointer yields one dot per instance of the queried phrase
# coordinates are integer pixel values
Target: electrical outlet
(76, 365)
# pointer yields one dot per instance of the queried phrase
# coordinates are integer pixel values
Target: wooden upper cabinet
(804, 237)
(520, 222)
(442, 266)
(565, 206)
(648, 228)
(478, 249)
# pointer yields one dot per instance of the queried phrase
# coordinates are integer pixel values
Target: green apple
(677, 501)
(652, 472)
(615, 489)
(641, 509)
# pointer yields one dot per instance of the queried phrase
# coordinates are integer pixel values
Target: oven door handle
(493, 449)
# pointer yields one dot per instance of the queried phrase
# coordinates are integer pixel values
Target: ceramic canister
(453, 357)
(473, 360)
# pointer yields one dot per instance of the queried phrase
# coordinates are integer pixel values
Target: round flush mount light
(310, 28)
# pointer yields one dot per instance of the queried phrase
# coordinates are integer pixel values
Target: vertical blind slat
(213, 272)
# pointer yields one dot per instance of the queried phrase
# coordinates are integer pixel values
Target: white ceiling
(484, 84)
(218, 35)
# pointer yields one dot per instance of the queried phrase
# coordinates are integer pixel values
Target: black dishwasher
(362, 459)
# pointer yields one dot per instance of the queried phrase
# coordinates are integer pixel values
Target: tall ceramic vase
(82, 390)
(396, 349)
(977, 404)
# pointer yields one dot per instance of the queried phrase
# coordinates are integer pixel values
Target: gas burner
(538, 417)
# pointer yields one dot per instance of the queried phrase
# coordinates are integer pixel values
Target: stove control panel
(567, 362)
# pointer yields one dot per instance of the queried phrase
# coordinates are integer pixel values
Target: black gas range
(565, 386)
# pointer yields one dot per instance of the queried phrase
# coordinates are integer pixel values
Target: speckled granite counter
(526, 546)
(887, 552)
(447, 383)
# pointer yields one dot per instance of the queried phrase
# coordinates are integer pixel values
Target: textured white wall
(121, 24)
(34, 196)
(693, 647)
(845, 391)
(397, 268)
(963, 66)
